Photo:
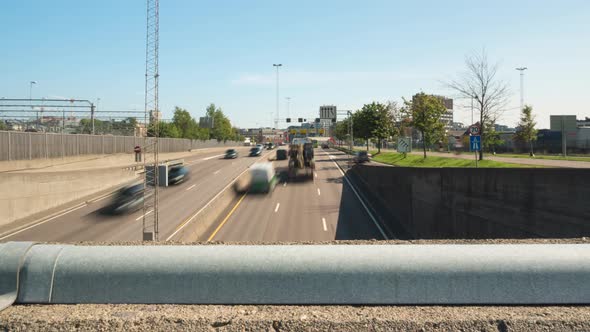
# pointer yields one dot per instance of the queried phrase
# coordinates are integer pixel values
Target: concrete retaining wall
(433, 203)
(24, 194)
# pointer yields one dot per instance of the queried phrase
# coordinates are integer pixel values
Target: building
(503, 128)
(458, 126)
(566, 124)
(155, 115)
(583, 123)
(447, 118)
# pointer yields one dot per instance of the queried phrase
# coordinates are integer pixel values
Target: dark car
(325, 146)
(361, 157)
(177, 174)
(270, 146)
(255, 151)
(231, 154)
(281, 154)
(127, 199)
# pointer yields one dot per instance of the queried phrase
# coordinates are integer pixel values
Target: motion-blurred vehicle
(177, 174)
(362, 157)
(247, 142)
(263, 178)
(260, 146)
(301, 158)
(231, 154)
(256, 151)
(281, 154)
(270, 146)
(325, 146)
(127, 199)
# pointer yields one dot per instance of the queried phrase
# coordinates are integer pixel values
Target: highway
(324, 209)
(209, 174)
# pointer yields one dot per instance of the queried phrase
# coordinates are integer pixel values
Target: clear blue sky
(345, 53)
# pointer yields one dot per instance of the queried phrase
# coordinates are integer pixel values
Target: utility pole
(277, 65)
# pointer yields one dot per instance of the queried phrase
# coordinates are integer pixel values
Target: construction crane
(151, 119)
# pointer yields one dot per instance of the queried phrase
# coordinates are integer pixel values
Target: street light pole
(277, 65)
(288, 104)
(472, 110)
(521, 69)
(31, 97)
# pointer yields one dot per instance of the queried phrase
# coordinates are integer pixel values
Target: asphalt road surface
(325, 208)
(209, 174)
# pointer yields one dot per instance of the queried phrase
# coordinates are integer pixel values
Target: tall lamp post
(277, 65)
(31, 97)
(288, 104)
(521, 70)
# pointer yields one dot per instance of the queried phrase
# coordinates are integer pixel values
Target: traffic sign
(474, 130)
(404, 145)
(475, 143)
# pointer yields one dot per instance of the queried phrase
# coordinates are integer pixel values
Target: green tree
(222, 129)
(383, 122)
(526, 132)
(3, 125)
(169, 130)
(184, 122)
(361, 125)
(341, 130)
(425, 112)
(491, 138)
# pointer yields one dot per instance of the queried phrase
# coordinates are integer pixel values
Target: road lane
(176, 204)
(318, 210)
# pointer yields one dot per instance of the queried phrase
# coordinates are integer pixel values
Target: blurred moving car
(325, 146)
(260, 146)
(362, 157)
(177, 174)
(255, 152)
(263, 178)
(127, 199)
(281, 154)
(231, 154)
(270, 146)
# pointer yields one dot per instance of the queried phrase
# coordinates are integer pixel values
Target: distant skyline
(345, 53)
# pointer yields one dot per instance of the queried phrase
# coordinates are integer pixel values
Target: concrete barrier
(430, 203)
(303, 274)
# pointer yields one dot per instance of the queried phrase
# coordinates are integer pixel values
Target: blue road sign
(475, 143)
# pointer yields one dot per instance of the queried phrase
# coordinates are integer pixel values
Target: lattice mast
(151, 117)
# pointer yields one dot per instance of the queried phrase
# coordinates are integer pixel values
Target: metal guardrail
(296, 274)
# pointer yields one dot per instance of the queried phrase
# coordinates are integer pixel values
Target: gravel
(585, 240)
(293, 318)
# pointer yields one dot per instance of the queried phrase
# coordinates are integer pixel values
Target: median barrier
(300, 274)
(202, 220)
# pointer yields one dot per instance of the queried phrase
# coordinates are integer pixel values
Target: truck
(301, 158)
(247, 142)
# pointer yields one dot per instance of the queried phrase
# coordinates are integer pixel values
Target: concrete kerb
(318, 274)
